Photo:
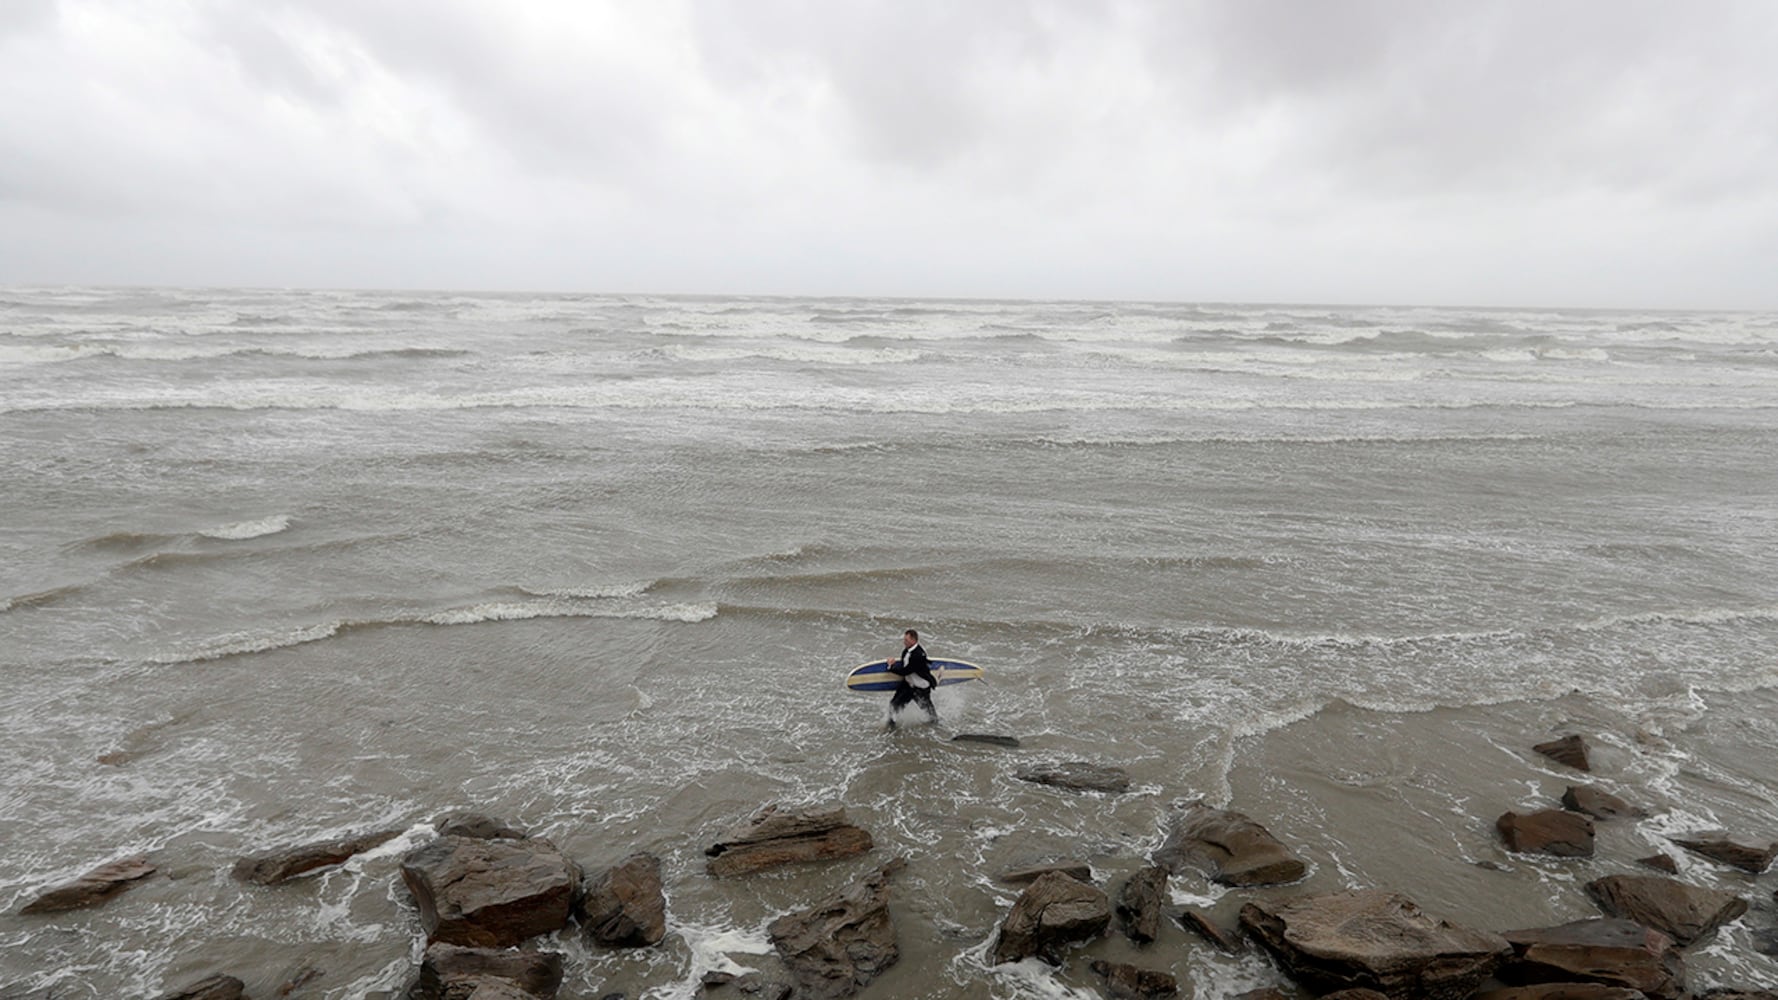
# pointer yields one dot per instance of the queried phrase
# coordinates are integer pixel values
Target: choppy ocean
(301, 563)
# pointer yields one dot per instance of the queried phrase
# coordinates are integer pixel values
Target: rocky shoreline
(486, 892)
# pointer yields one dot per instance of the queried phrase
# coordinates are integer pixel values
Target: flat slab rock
(775, 836)
(1752, 860)
(991, 739)
(447, 970)
(1227, 847)
(1609, 953)
(839, 945)
(92, 888)
(1031, 873)
(1373, 939)
(490, 893)
(1556, 832)
(1599, 804)
(1077, 776)
(1052, 913)
(287, 863)
(1685, 913)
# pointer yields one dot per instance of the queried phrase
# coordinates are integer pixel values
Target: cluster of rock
(485, 891)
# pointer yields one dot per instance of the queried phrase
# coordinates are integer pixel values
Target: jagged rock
(837, 946)
(490, 893)
(1031, 873)
(1227, 847)
(1139, 904)
(449, 969)
(213, 988)
(1660, 862)
(1562, 991)
(1613, 953)
(1685, 913)
(1752, 860)
(477, 825)
(623, 906)
(287, 863)
(1599, 804)
(773, 837)
(1077, 775)
(1552, 831)
(1198, 922)
(94, 887)
(1570, 750)
(752, 985)
(1010, 742)
(1129, 982)
(1376, 940)
(1051, 913)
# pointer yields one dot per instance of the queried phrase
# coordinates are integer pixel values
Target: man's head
(910, 639)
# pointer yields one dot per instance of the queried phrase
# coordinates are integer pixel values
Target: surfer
(917, 681)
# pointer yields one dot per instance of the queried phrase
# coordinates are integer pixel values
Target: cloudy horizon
(1588, 154)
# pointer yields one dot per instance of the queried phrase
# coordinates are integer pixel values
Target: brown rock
(490, 893)
(282, 865)
(624, 907)
(1685, 913)
(1376, 940)
(1599, 804)
(495, 989)
(991, 739)
(1077, 775)
(1358, 993)
(1128, 982)
(477, 825)
(1570, 750)
(1752, 860)
(1611, 953)
(96, 886)
(1139, 904)
(1050, 914)
(1198, 922)
(836, 947)
(1227, 847)
(1562, 991)
(1660, 862)
(774, 837)
(1268, 993)
(1552, 831)
(213, 988)
(450, 971)
(1031, 873)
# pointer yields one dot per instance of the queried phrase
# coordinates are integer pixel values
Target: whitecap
(242, 530)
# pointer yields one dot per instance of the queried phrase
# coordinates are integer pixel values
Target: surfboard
(875, 675)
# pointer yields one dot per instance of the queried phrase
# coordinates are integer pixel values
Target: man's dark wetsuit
(913, 663)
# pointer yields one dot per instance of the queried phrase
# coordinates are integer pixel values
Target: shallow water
(313, 562)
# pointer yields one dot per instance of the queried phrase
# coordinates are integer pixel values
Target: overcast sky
(1588, 153)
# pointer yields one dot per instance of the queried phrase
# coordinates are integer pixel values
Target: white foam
(242, 530)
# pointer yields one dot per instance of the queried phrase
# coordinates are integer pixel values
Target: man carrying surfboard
(917, 682)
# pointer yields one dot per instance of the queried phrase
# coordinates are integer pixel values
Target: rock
(1377, 940)
(1030, 873)
(1570, 750)
(1010, 742)
(624, 907)
(1660, 862)
(490, 893)
(1227, 847)
(1051, 913)
(1552, 831)
(1198, 922)
(1268, 993)
(1610, 953)
(477, 825)
(448, 969)
(1139, 904)
(1076, 775)
(96, 886)
(1752, 860)
(836, 947)
(773, 837)
(213, 988)
(1599, 804)
(495, 989)
(1685, 913)
(1358, 993)
(282, 865)
(1562, 991)
(1128, 982)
